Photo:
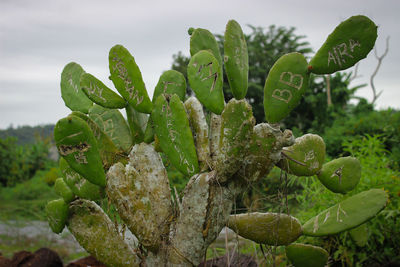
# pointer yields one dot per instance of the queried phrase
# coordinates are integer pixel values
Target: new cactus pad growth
(217, 146)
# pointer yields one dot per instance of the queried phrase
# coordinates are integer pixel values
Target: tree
(102, 152)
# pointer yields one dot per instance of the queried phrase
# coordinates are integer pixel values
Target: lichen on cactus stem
(220, 156)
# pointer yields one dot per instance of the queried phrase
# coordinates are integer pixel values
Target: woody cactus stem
(103, 156)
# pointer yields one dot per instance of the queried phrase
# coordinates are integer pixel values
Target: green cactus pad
(275, 229)
(237, 123)
(198, 124)
(127, 79)
(78, 146)
(347, 214)
(137, 123)
(205, 78)
(259, 161)
(170, 82)
(78, 184)
(63, 190)
(202, 39)
(308, 149)
(350, 42)
(236, 59)
(98, 235)
(285, 85)
(341, 175)
(114, 125)
(57, 214)
(141, 193)
(109, 153)
(173, 131)
(360, 235)
(71, 92)
(304, 255)
(99, 93)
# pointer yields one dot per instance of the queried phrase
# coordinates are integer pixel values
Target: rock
(88, 261)
(43, 257)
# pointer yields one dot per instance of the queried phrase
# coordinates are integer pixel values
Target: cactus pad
(236, 59)
(198, 124)
(360, 235)
(350, 42)
(309, 150)
(273, 229)
(202, 39)
(347, 214)
(205, 78)
(304, 255)
(99, 93)
(174, 134)
(341, 175)
(71, 92)
(285, 85)
(98, 235)
(63, 190)
(127, 79)
(141, 193)
(57, 214)
(237, 123)
(78, 146)
(114, 125)
(79, 185)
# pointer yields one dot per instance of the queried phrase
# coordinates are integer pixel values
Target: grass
(24, 204)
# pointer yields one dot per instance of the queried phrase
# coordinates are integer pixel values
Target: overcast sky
(39, 37)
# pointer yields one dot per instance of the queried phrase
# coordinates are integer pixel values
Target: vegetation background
(349, 125)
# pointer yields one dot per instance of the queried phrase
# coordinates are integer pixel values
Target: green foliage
(348, 129)
(51, 176)
(28, 134)
(384, 230)
(26, 200)
(19, 163)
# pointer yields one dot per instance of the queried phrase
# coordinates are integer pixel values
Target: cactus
(217, 146)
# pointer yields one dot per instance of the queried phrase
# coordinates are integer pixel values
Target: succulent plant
(216, 145)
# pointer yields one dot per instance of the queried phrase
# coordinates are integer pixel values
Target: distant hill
(28, 134)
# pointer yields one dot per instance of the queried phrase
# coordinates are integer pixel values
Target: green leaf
(309, 152)
(350, 42)
(285, 85)
(127, 79)
(99, 93)
(174, 134)
(109, 153)
(113, 124)
(63, 190)
(347, 214)
(360, 235)
(236, 59)
(202, 39)
(137, 123)
(71, 92)
(78, 184)
(205, 78)
(78, 146)
(304, 255)
(341, 175)
(57, 214)
(170, 82)
(275, 229)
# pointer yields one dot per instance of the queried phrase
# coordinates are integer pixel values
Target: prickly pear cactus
(217, 146)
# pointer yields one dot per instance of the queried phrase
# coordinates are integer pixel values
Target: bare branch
(380, 59)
